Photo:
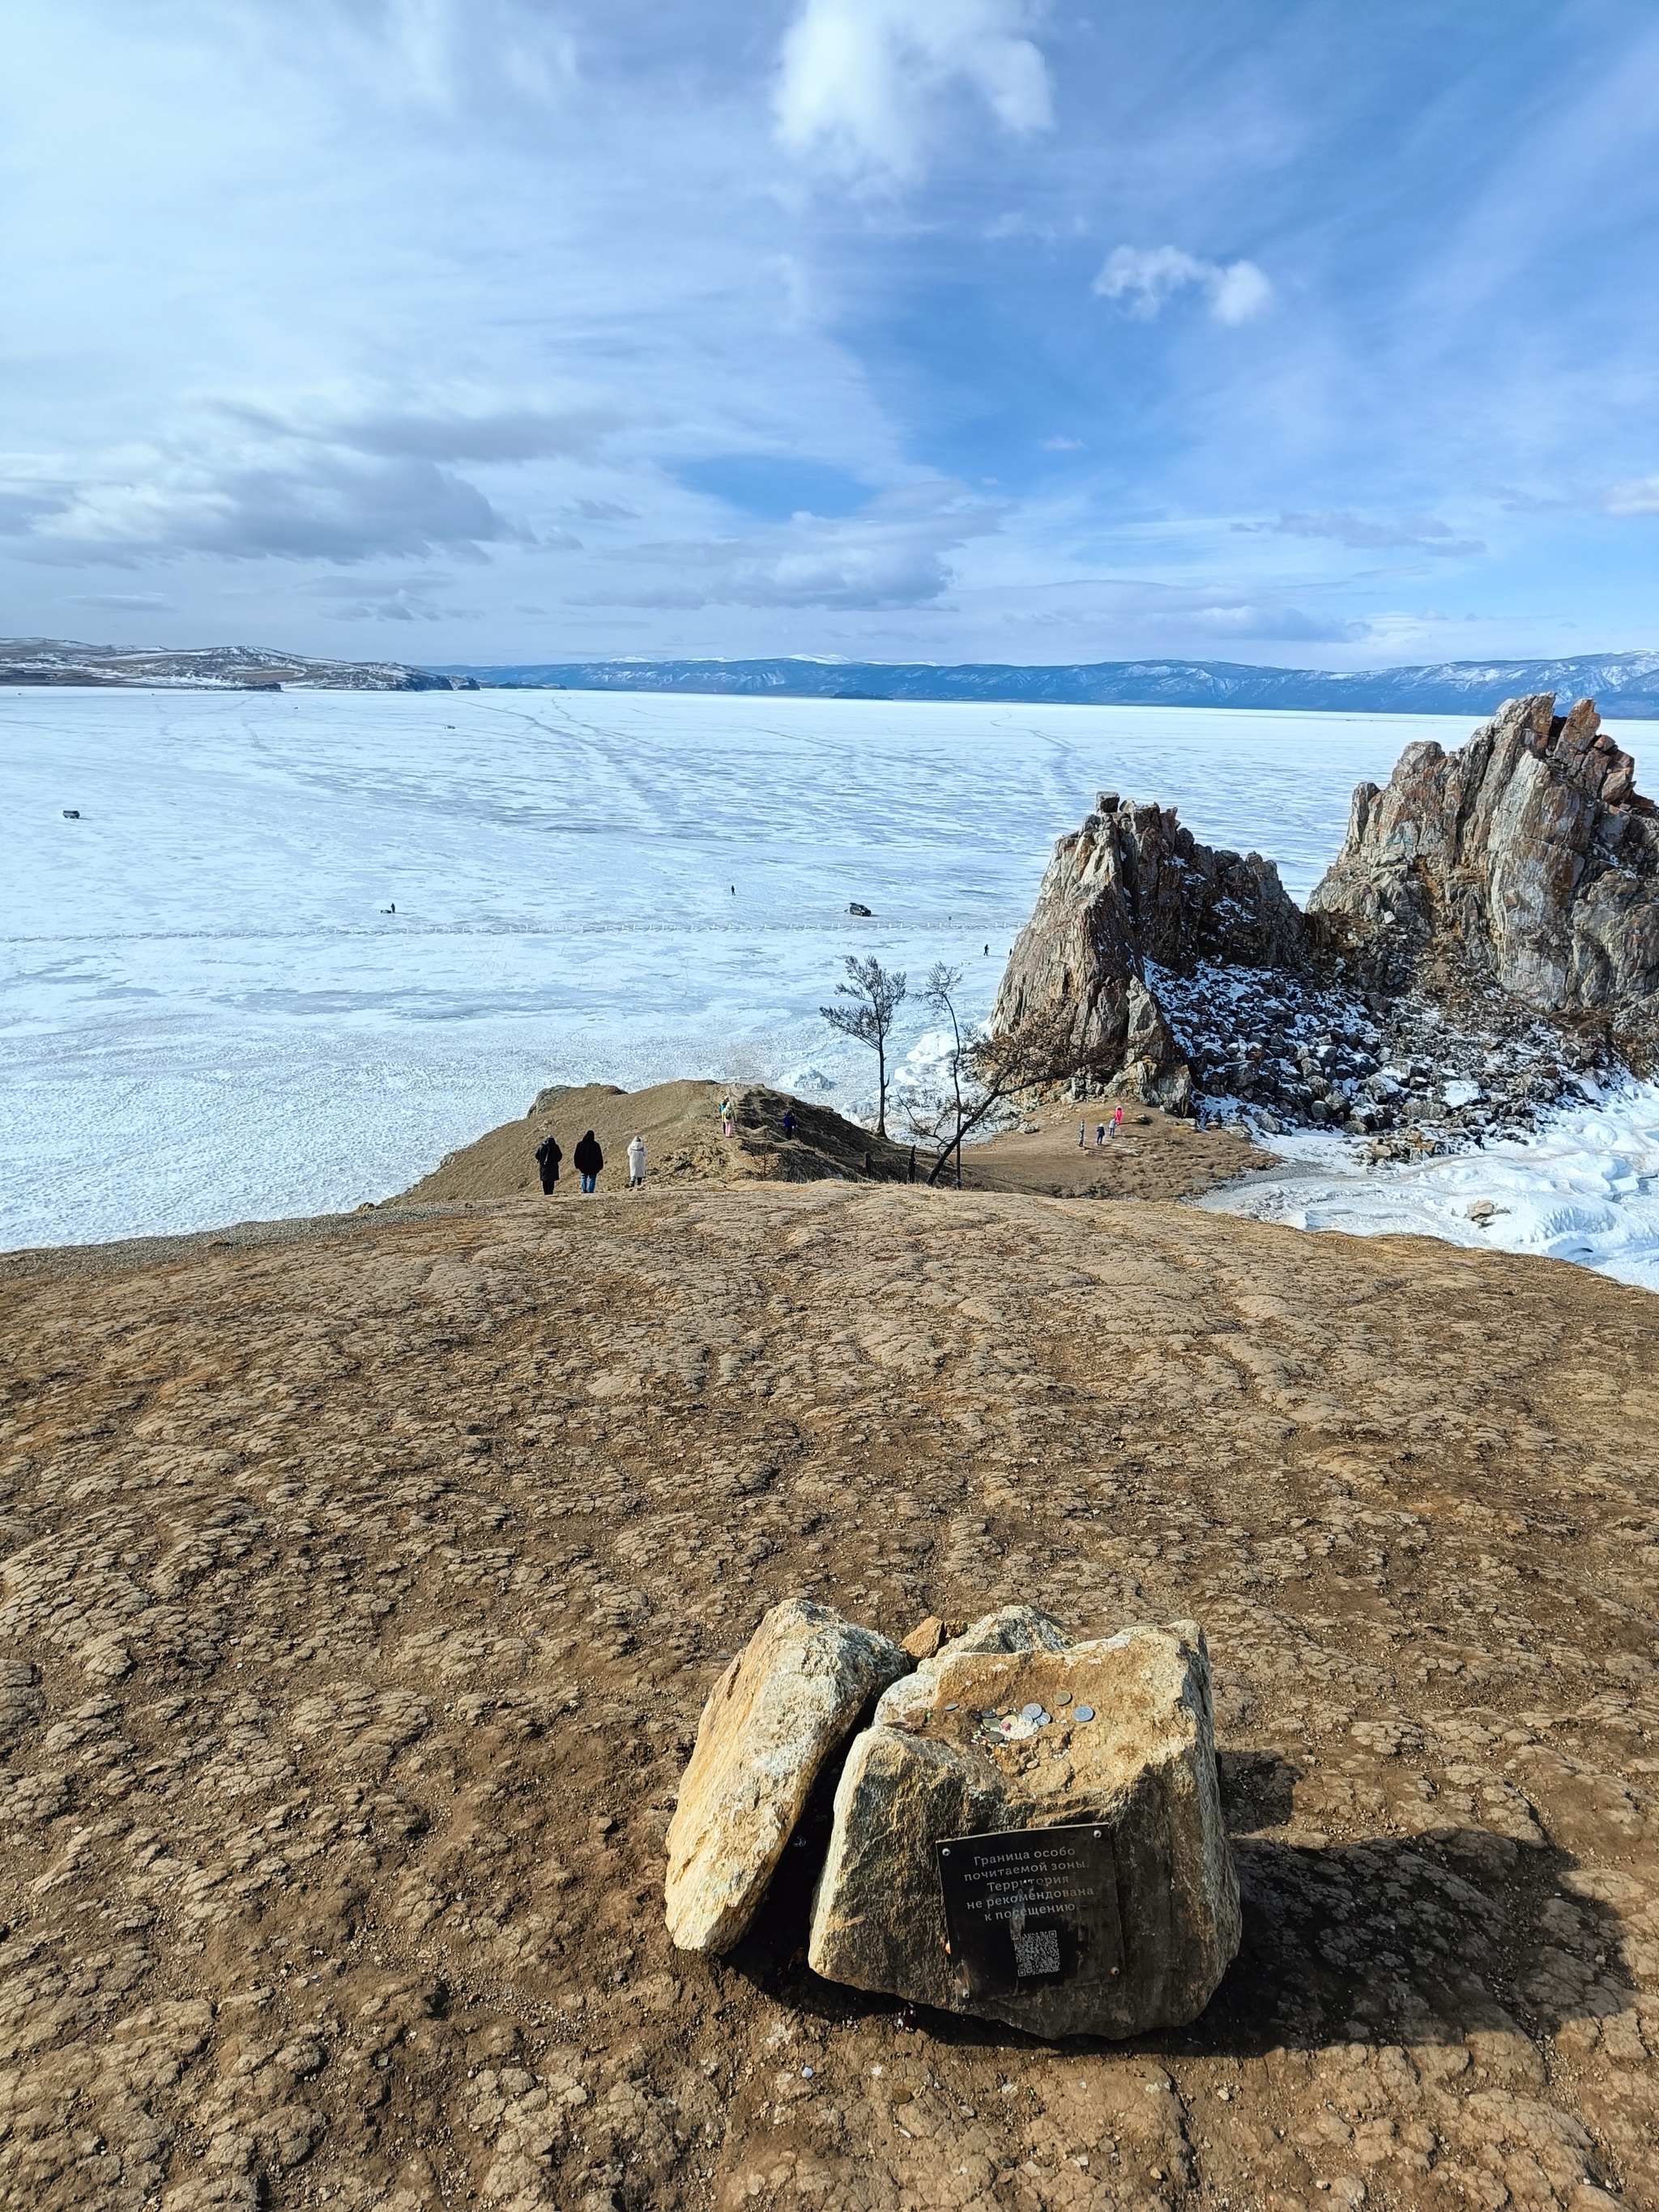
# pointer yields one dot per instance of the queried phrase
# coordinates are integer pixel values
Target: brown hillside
(359, 1593)
(1156, 1156)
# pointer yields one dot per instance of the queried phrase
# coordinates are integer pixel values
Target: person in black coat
(548, 1157)
(589, 1160)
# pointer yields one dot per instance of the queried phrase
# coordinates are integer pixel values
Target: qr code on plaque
(1037, 1953)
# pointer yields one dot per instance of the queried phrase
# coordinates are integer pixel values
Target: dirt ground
(475, 1502)
(1152, 1157)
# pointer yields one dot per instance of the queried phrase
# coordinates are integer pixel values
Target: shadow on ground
(1386, 1940)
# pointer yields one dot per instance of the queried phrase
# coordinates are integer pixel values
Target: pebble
(1084, 1713)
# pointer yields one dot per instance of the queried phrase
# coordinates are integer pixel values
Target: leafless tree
(980, 1073)
(876, 996)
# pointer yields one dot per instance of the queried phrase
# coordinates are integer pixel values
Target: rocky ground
(1413, 1073)
(362, 1582)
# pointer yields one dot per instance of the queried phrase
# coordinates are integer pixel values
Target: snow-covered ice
(209, 1015)
(1584, 1187)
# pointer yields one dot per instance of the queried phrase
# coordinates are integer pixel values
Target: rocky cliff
(1525, 861)
(1133, 889)
(1488, 935)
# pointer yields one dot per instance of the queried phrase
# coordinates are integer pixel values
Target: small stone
(1083, 1712)
(925, 1638)
(1013, 1628)
(788, 1701)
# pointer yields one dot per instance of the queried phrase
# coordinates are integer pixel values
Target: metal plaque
(1029, 1908)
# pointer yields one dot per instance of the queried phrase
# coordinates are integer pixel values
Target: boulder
(1133, 891)
(980, 1741)
(788, 1701)
(1525, 859)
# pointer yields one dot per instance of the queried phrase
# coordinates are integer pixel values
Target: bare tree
(980, 1071)
(876, 996)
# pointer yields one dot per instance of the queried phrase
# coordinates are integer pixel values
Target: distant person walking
(548, 1157)
(725, 1116)
(1100, 1135)
(636, 1162)
(589, 1161)
(1117, 1121)
(788, 1121)
(1082, 1136)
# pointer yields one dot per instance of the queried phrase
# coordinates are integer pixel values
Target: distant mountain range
(1622, 683)
(56, 661)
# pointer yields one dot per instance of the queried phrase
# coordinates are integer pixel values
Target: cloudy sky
(1284, 330)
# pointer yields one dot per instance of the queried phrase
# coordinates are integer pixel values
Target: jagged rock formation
(1527, 860)
(1134, 888)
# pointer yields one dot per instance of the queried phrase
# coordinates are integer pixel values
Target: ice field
(209, 1014)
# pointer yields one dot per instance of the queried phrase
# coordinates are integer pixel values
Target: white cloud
(1147, 278)
(1635, 496)
(1426, 533)
(124, 603)
(1062, 445)
(891, 554)
(859, 77)
(245, 491)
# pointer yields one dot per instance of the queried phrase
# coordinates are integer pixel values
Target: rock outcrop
(1526, 860)
(787, 1702)
(1133, 889)
(1486, 941)
(1104, 1752)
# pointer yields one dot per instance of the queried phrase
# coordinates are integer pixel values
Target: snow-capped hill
(215, 667)
(1623, 683)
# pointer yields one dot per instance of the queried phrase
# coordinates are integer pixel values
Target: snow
(1584, 1187)
(208, 1016)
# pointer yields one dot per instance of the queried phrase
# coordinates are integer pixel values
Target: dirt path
(1152, 1156)
(360, 1593)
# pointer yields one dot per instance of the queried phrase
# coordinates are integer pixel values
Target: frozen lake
(209, 1016)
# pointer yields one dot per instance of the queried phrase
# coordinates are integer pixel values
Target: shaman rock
(786, 1702)
(1132, 889)
(950, 1754)
(1525, 859)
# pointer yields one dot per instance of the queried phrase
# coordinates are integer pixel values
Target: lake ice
(209, 1015)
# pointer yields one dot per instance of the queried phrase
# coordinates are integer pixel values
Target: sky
(485, 330)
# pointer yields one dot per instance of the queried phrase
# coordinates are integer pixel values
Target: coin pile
(1020, 1722)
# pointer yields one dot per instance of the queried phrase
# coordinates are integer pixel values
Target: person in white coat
(635, 1163)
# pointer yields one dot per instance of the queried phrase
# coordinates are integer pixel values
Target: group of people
(1102, 1129)
(588, 1160)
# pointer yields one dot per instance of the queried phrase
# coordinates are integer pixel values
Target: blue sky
(1284, 330)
